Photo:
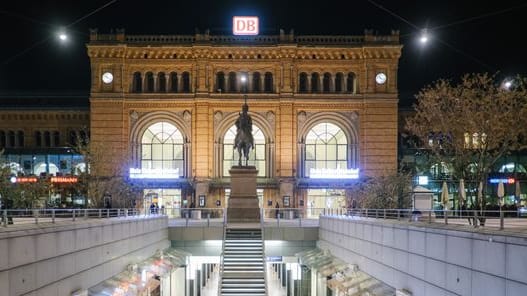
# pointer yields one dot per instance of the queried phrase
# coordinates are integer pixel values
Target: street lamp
(424, 36)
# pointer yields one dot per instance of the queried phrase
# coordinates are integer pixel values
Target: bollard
(4, 215)
(35, 213)
(100, 214)
(73, 214)
(501, 219)
(118, 213)
(107, 213)
(52, 215)
(126, 213)
(430, 217)
(85, 213)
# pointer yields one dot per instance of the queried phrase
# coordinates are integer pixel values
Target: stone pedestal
(243, 202)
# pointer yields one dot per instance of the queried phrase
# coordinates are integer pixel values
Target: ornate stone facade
(293, 84)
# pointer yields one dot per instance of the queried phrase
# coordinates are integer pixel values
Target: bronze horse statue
(244, 141)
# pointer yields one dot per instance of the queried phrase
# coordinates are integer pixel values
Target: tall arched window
(149, 82)
(257, 84)
(162, 82)
(173, 82)
(350, 83)
(314, 82)
(47, 139)
(2, 139)
(186, 82)
(220, 82)
(56, 138)
(20, 139)
(302, 83)
(326, 85)
(326, 147)
(162, 147)
(339, 79)
(137, 83)
(268, 82)
(232, 82)
(11, 139)
(257, 155)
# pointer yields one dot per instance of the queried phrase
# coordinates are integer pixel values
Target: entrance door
(325, 199)
(166, 198)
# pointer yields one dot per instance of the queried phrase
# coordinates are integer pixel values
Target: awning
(343, 277)
(140, 277)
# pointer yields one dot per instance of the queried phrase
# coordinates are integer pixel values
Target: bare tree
(384, 192)
(103, 180)
(470, 125)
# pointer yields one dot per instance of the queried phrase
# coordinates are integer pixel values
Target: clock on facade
(107, 77)
(380, 78)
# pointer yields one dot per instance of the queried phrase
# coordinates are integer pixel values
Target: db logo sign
(245, 25)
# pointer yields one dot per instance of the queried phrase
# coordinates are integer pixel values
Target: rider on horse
(244, 141)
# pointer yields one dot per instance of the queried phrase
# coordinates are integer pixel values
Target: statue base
(243, 202)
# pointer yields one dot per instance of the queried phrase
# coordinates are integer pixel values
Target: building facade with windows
(324, 111)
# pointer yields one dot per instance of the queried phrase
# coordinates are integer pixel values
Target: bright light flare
(424, 36)
(63, 36)
(243, 79)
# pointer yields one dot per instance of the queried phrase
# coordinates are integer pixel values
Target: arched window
(56, 138)
(173, 82)
(73, 138)
(314, 82)
(268, 82)
(256, 157)
(149, 82)
(339, 79)
(83, 136)
(11, 139)
(326, 147)
(257, 84)
(38, 139)
(20, 139)
(302, 83)
(326, 84)
(162, 82)
(162, 147)
(137, 83)
(186, 82)
(350, 83)
(220, 82)
(2, 139)
(232, 82)
(47, 139)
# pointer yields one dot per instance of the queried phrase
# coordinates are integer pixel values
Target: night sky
(33, 60)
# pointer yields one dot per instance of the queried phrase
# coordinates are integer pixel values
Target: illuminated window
(326, 147)
(256, 157)
(440, 170)
(475, 140)
(162, 147)
(512, 167)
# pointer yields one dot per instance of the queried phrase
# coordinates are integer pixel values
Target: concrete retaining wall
(430, 261)
(58, 259)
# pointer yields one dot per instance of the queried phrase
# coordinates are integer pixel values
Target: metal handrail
(220, 277)
(264, 260)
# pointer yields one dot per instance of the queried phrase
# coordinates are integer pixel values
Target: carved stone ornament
(134, 116)
(354, 116)
(270, 117)
(187, 116)
(218, 116)
(302, 116)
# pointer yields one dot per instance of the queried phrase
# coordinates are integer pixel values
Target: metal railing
(36, 216)
(489, 218)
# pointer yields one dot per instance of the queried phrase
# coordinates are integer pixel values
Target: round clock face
(380, 78)
(107, 77)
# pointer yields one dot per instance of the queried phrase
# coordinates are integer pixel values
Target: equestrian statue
(244, 141)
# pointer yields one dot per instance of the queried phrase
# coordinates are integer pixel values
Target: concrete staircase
(243, 272)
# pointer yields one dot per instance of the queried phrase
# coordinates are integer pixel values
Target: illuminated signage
(245, 25)
(334, 173)
(136, 173)
(64, 179)
(422, 180)
(504, 181)
(24, 179)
